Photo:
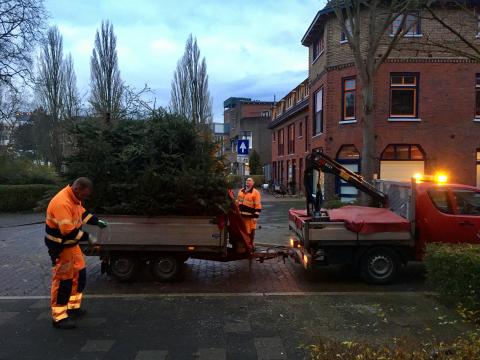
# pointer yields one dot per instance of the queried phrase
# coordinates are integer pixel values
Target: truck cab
(446, 213)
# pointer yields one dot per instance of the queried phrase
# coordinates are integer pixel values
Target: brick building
(427, 111)
(290, 137)
(247, 119)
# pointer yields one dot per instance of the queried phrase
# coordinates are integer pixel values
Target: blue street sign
(242, 147)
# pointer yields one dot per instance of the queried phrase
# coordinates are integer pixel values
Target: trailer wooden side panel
(160, 231)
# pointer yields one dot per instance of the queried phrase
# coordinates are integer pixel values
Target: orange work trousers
(69, 277)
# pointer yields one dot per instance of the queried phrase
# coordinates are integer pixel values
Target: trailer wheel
(380, 266)
(124, 267)
(165, 267)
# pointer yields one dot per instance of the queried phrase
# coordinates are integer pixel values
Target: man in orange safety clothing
(65, 217)
(250, 206)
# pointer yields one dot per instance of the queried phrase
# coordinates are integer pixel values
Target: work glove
(102, 224)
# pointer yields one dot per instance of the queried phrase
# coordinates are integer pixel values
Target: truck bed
(160, 233)
(350, 226)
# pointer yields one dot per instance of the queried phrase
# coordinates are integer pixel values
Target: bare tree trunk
(368, 134)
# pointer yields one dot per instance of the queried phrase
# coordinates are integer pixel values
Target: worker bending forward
(249, 204)
(65, 217)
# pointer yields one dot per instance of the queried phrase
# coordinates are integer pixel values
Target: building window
(247, 135)
(343, 36)
(349, 89)
(300, 129)
(318, 113)
(318, 47)
(280, 142)
(291, 139)
(265, 113)
(402, 152)
(306, 133)
(273, 136)
(410, 27)
(477, 96)
(404, 95)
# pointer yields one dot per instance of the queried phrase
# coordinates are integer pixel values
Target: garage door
(399, 162)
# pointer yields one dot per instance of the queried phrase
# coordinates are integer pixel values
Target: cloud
(252, 48)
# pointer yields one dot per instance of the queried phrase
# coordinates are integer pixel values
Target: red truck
(378, 240)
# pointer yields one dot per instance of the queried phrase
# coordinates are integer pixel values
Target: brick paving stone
(26, 269)
(152, 355)
(211, 354)
(270, 348)
(97, 346)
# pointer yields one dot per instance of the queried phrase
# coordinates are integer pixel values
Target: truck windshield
(468, 202)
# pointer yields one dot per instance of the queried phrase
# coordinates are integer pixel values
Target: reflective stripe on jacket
(65, 217)
(249, 202)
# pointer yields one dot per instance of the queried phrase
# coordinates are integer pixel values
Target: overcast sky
(252, 47)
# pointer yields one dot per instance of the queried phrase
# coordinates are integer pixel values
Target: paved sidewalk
(219, 327)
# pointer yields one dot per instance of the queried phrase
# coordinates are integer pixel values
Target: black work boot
(64, 324)
(76, 312)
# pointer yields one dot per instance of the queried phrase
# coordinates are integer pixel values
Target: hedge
(22, 197)
(454, 271)
(462, 348)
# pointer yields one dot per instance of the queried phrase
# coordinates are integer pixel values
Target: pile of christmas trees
(164, 165)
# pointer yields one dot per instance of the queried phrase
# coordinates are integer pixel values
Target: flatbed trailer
(164, 243)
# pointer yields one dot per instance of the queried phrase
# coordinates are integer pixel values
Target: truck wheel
(379, 266)
(165, 267)
(124, 267)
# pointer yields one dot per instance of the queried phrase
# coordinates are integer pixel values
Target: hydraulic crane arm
(321, 162)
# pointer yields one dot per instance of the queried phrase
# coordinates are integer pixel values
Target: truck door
(437, 216)
(466, 204)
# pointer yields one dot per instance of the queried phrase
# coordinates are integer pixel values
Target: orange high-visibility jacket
(65, 217)
(249, 203)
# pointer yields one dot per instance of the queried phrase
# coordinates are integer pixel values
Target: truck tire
(124, 267)
(165, 267)
(380, 265)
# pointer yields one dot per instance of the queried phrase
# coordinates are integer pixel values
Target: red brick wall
(299, 152)
(254, 110)
(446, 132)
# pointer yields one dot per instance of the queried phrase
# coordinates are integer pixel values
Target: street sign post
(242, 147)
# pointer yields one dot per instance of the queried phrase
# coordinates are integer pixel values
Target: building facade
(248, 119)
(427, 105)
(290, 138)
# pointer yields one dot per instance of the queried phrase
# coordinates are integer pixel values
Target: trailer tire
(380, 265)
(165, 267)
(124, 267)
